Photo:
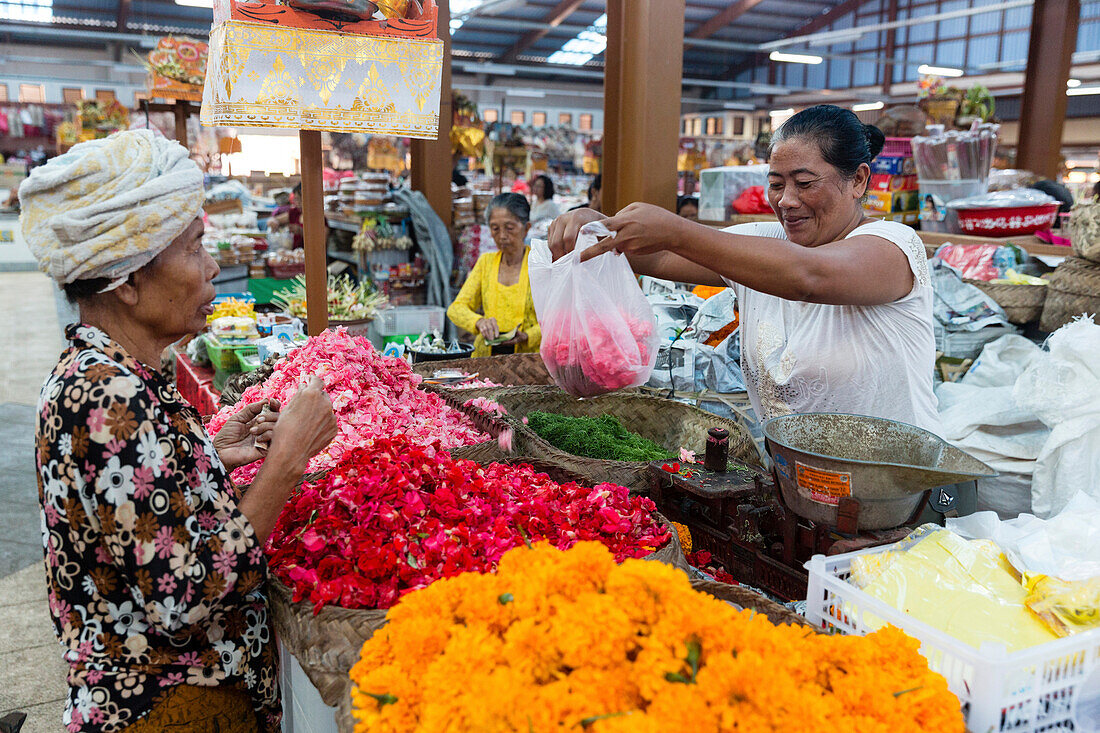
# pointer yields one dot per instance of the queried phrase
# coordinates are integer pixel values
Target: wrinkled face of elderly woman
(172, 295)
(508, 231)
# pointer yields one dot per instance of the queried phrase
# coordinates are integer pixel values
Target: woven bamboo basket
(750, 601)
(1074, 289)
(236, 384)
(507, 369)
(1022, 303)
(1085, 243)
(673, 425)
(326, 645)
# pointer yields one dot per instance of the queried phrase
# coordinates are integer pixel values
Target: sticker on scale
(826, 487)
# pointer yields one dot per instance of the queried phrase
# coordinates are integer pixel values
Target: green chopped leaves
(602, 437)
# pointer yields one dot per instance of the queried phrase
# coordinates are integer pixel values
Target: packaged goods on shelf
(910, 218)
(893, 165)
(891, 202)
(889, 182)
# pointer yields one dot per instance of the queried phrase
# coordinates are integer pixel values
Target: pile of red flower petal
(373, 396)
(591, 355)
(397, 516)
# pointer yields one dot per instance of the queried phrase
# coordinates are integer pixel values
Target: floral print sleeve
(154, 574)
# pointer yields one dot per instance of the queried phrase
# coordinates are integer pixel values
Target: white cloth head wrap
(108, 207)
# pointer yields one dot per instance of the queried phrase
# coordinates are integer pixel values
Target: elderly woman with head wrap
(154, 559)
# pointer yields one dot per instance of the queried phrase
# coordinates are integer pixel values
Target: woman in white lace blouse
(835, 308)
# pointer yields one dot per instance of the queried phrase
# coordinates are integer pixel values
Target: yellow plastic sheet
(965, 588)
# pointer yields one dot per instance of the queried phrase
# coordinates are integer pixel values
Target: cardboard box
(887, 182)
(889, 202)
(893, 165)
(909, 218)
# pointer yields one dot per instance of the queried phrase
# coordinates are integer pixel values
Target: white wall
(58, 67)
(558, 98)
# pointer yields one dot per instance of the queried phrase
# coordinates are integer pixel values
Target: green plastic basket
(248, 358)
(224, 356)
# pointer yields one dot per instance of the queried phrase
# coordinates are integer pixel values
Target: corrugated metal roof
(493, 37)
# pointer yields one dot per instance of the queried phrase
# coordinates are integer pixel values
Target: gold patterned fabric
(199, 710)
(272, 76)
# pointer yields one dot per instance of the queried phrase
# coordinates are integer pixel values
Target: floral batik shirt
(154, 575)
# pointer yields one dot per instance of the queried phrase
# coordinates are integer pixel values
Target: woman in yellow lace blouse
(496, 296)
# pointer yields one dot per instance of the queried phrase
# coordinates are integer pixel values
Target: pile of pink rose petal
(374, 396)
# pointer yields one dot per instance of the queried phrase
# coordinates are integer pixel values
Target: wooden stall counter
(1030, 243)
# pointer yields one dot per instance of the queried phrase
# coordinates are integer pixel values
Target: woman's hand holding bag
(599, 333)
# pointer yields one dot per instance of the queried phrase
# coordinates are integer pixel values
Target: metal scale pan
(824, 461)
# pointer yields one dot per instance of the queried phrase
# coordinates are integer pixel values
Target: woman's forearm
(264, 500)
(861, 270)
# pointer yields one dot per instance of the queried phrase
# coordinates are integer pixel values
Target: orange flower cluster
(557, 641)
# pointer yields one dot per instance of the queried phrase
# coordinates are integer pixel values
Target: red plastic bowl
(1007, 222)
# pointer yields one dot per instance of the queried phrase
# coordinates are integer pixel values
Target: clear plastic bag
(599, 333)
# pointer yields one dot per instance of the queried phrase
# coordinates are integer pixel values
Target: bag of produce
(599, 333)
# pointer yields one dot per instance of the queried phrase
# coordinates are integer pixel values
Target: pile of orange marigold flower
(568, 640)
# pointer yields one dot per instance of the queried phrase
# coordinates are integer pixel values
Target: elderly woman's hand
(488, 328)
(562, 236)
(246, 435)
(306, 426)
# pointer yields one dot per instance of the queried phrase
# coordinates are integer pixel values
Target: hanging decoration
(177, 68)
(278, 66)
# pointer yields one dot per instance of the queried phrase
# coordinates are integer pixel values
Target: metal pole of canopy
(313, 226)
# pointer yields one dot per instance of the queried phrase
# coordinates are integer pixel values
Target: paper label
(826, 487)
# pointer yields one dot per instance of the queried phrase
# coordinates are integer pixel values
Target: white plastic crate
(406, 320)
(1054, 686)
(402, 319)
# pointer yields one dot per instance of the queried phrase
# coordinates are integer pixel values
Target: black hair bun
(875, 140)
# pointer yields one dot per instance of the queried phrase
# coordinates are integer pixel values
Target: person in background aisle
(542, 194)
(688, 207)
(496, 296)
(835, 308)
(289, 216)
(595, 195)
(1058, 191)
(154, 559)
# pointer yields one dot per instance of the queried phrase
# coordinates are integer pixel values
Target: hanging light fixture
(795, 58)
(938, 70)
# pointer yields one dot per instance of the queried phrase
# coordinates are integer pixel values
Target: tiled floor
(32, 675)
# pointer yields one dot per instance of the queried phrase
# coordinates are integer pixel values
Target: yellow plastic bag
(1018, 278)
(1066, 607)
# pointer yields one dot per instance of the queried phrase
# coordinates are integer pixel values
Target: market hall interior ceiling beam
(554, 18)
(724, 18)
(824, 20)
